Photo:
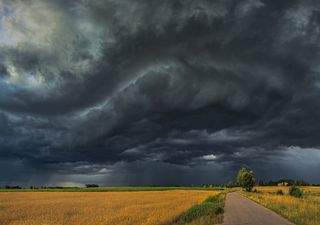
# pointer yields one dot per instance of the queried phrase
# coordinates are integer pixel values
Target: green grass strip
(112, 189)
(204, 213)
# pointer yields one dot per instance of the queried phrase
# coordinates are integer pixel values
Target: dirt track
(241, 211)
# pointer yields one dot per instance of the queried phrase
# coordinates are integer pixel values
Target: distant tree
(284, 182)
(301, 183)
(271, 183)
(92, 185)
(261, 183)
(246, 179)
(232, 184)
(13, 187)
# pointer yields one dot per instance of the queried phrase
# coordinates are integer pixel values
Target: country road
(241, 211)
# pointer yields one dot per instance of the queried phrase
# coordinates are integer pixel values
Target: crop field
(302, 211)
(93, 208)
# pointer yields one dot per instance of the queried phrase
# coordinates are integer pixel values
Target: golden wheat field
(302, 211)
(95, 208)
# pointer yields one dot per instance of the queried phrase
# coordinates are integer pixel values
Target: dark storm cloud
(101, 87)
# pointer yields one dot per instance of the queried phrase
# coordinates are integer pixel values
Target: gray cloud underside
(101, 87)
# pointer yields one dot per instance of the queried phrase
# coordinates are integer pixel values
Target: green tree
(246, 179)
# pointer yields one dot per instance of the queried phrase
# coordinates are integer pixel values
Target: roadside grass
(114, 189)
(210, 211)
(301, 211)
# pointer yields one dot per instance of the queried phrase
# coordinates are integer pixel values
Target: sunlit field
(302, 211)
(93, 208)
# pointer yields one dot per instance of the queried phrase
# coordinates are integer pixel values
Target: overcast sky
(138, 92)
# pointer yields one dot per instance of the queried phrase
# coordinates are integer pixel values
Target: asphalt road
(240, 210)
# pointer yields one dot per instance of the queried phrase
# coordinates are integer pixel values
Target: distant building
(284, 184)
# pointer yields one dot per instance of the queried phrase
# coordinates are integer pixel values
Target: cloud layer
(117, 92)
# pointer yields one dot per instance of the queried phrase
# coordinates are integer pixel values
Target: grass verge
(208, 212)
(301, 211)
